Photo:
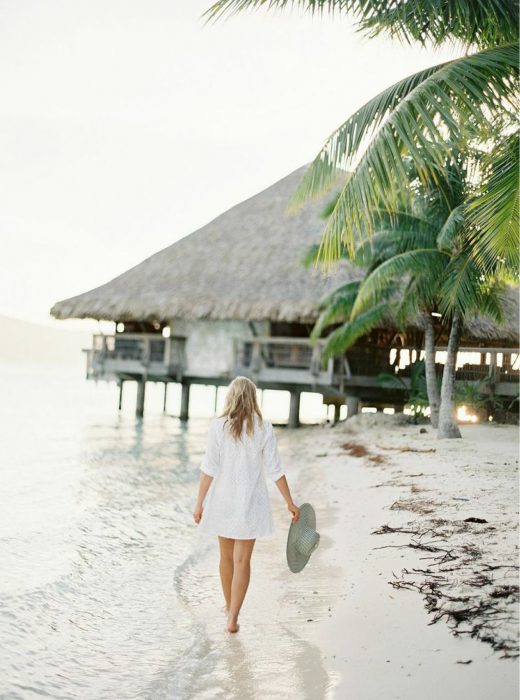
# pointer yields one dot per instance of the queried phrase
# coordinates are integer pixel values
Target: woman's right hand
(292, 508)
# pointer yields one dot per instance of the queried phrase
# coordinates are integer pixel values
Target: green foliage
(471, 394)
(493, 213)
(469, 101)
(425, 22)
(421, 118)
(346, 335)
(416, 395)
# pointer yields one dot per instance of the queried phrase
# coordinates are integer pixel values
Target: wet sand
(340, 629)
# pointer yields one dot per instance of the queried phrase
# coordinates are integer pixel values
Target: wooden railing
(135, 353)
(495, 365)
(287, 358)
(282, 359)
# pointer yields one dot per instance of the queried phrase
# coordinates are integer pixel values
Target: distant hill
(25, 342)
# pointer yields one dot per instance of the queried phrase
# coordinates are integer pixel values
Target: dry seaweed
(458, 583)
(355, 449)
(407, 448)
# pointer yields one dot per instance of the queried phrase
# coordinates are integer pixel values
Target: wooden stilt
(352, 406)
(120, 404)
(216, 401)
(294, 410)
(337, 410)
(185, 401)
(141, 390)
(165, 396)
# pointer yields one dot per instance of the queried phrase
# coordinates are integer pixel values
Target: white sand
(338, 629)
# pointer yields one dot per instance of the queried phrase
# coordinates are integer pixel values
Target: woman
(237, 508)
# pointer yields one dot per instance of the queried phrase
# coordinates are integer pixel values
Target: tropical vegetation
(417, 268)
(471, 100)
(430, 202)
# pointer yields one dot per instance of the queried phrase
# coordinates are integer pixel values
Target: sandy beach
(354, 623)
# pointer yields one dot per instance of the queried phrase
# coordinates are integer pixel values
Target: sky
(127, 124)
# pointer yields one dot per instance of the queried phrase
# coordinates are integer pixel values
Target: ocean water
(107, 589)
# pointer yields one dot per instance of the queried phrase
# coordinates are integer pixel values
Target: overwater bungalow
(235, 298)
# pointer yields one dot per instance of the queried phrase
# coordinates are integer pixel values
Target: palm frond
(426, 22)
(451, 229)
(467, 290)
(346, 335)
(494, 214)
(416, 118)
(348, 289)
(427, 261)
(338, 308)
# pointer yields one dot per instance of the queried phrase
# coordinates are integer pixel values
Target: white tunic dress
(237, 503)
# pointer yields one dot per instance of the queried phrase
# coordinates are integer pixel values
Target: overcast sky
(126, 125)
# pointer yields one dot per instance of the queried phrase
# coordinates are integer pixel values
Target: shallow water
(107, 589)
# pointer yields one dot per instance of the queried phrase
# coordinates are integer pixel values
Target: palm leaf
(416, 118)
(346, 335)
(428, 21)
(339, 307)
(494, 214)
(429, 262)
(451, 229)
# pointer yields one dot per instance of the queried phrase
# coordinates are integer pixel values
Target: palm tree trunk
(429, 368)
(448, 427)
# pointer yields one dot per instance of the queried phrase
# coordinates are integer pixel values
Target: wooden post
(337, 410)
(294, 410)
(352, 406)
(141, 390)
(165, 396)
(185, 401)
(216, 401)
(120, 404)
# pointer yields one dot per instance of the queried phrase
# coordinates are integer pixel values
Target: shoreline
(380, 641)
(339, 629)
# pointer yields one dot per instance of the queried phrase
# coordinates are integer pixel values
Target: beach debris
(407, 448)
(460, 498)
(414, 488)
(423, 430)
(415, 505)
(458, 581)
(377, 459)
(355, 449)
(465, 663)
(475, 520)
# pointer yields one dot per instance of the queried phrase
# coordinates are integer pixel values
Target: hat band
(307, 541)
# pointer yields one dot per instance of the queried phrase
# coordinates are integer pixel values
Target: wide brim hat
(302, 539)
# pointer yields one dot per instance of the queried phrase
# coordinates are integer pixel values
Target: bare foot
(232, 625)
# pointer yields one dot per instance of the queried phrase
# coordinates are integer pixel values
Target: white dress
(237, 502)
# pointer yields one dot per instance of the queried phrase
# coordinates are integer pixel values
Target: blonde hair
(241, 406)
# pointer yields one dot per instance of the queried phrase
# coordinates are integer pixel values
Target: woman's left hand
(197, 514)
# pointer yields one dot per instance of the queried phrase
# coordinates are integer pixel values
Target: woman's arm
(204, 484)
(283, 487)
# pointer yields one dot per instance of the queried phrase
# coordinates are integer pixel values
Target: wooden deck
(292, 363)
(134, 355)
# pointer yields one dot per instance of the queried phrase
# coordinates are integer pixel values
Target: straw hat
(302, 539)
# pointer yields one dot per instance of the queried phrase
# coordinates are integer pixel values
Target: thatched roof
(244, 265)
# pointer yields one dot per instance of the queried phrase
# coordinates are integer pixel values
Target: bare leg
(226, 567)
(242, 552)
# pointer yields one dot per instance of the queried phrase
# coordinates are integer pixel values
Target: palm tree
(470, 100)
(417, 264)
